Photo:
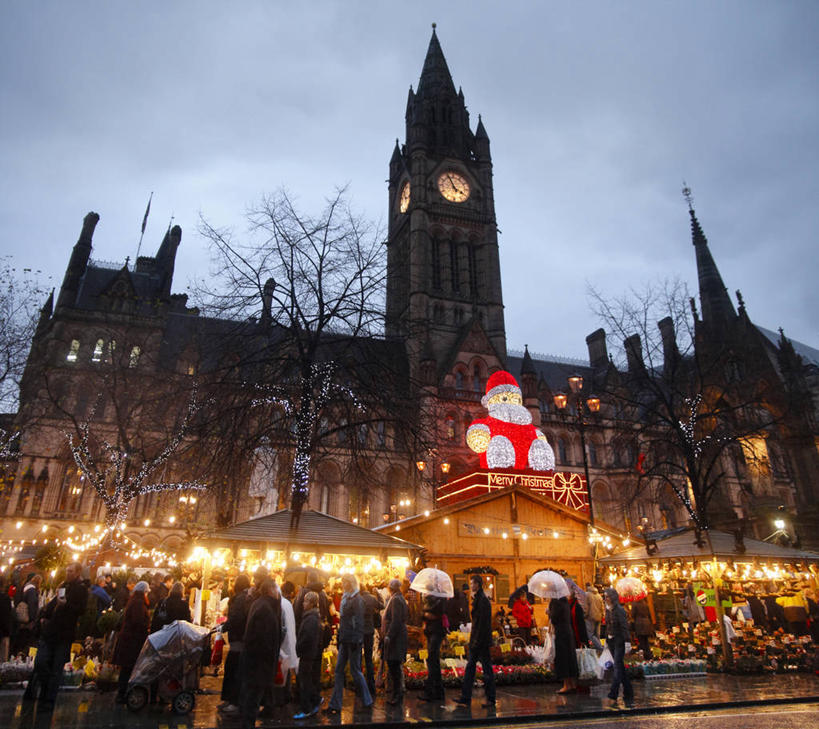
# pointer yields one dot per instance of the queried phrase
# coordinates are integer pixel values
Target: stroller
(170, 658)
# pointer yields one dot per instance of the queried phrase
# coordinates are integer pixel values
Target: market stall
(764, 589)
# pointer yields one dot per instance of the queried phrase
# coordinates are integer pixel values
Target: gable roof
(467, 504)
(316, 531)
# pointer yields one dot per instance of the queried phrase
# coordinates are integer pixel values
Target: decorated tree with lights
(306, 294)
(127, 422)
(678, 401)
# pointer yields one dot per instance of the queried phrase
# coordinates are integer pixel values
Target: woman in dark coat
(234, 628)
(581, 635)
(171, 608)
(643, 627)
(135, 625)
(565, 656)
(395, 638)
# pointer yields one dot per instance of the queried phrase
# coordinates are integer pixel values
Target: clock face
(404, 200)
(453, 186)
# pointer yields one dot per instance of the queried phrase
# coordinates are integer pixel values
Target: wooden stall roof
(316, 532)
(467, 504)
(682, 546)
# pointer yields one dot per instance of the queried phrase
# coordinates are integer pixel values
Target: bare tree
(680, 396)
(20, 297)
(306, 295)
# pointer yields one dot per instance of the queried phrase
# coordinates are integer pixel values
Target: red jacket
(522, 611)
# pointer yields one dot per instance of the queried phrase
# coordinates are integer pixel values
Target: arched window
(98, 347)
(477, 379)
(459, 380)
(436, 264)
(39, 492)
(455, 273)
(449, 427)
(133, 360)
(325, 499)
(593, 458)
(73, 351)
(561, 451)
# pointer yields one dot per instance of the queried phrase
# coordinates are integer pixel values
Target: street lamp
(421, 465)
(592, 404)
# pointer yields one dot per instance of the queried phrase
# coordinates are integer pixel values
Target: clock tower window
(436, 264)
(453, 266)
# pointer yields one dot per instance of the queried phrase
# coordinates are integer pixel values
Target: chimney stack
(598, 353)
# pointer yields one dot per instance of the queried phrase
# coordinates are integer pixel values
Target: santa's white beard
(510, 413)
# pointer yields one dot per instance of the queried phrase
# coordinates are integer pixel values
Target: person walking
(136, 623)
(308, 650)
(350, 639)
(394, 628)
(617, 641)
(565, 665)
(234, 628)
(479, 641)
(373, 604)
(643, 627)
(58, 621)
(433, 617)
(26, 611)
(261, 652)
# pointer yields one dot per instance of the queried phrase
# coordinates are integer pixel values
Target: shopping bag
(605, 663)
(218, 648)
(549, 645)
(587, 663)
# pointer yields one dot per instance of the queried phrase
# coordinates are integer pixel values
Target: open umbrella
(547, 583)
(630, 589)
(430, 581)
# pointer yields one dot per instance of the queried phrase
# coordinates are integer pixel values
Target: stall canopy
(683, 546)
(316, 532)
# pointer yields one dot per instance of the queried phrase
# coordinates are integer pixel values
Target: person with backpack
(350, 640)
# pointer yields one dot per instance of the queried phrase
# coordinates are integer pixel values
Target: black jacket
(170, 609)
(372, 606)
(481, 635)
(234, 626)
(61, 620)
(263, 634)
(324, 603)
(308, 639)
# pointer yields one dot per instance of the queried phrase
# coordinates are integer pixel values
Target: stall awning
(316, 532)
(682, 546)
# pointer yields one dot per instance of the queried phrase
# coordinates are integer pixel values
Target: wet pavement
(89, 709)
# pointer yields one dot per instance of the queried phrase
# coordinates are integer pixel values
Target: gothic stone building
(444, 322)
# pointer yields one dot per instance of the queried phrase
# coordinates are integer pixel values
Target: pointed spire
(527, 367)
(396, 154)
(717, 308)
(480, 132)
(45, 313)
(78, 263)
(435, 76)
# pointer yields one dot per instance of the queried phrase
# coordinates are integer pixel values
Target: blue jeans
(482, 655)
(48, 669)
(618, 653)
(349, 652)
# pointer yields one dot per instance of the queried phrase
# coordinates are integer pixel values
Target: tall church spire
(715, 302)
(436, 81)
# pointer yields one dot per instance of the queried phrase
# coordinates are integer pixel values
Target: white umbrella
(547, 583)
(430, 581)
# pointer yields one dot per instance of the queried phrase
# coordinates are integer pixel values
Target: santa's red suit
(507, 438)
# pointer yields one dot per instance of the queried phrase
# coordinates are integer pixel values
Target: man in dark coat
(234, 628)
(308, 649)
(350, 638)
(313, 584)
(565, 666)
(373, 604)
(617, 641)
(58, 622)
(261, 654)
(394, 628)
(434, 632)
(480, 640)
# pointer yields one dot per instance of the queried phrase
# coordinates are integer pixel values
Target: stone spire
(436, 81)
(717, 309)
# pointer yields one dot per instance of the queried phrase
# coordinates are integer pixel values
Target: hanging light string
(124, 487)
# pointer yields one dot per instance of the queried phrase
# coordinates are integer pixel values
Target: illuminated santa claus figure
(507, 438)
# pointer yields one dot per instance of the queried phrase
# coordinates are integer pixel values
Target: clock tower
(443, 265)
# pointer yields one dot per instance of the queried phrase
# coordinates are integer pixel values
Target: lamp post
(421, 465)
(592, 404)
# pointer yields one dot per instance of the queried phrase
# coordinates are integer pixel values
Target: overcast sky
(596, 112)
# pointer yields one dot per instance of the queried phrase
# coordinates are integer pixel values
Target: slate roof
(316, 532)
(554, 372)
(682, 546)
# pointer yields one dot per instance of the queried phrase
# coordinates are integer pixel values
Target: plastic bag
(605, 664)
(587, 662)
(218, 648)
(549, 645)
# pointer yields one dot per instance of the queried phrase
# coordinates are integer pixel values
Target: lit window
(133, 360)
(73, 351)
(191, 369)
(97, 356)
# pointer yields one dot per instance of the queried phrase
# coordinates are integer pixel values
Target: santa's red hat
(499, 382)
